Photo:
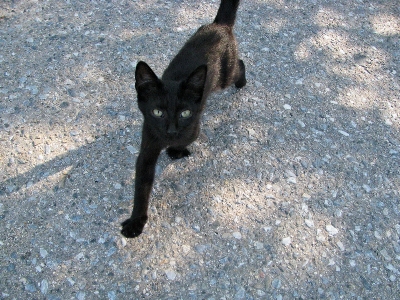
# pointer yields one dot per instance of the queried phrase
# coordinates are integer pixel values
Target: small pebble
(251, 131)
(320, 237)
(240, 294)
(261, 293)
(301, 123)
(276, 283)
(80, 295)
(43, 253)
(196, 227)
(385, 254)
(47, 149)
(388, 122)
(237, 235)
(111, 251)
(112, 295)
(397, 227)
(259, 245)
(200, 248)
(366, 188)
(331, 230)
(44, 286)
(299, 81)
(343, 133)
(267, 229)
(132, 149)
(171, 275)
(286, 241)
(340, 245)
(287, 107)
(390, 267)
(309, 223)
(30, 288)
(185, 249)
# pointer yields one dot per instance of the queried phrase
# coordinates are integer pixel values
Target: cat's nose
(172, 130)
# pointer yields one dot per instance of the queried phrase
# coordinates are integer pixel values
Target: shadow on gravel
(310, 142)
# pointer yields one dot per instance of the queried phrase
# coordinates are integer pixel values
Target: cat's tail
(226, 14)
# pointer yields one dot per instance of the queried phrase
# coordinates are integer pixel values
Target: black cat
(172, 105)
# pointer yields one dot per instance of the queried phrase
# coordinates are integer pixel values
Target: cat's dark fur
(172, 105)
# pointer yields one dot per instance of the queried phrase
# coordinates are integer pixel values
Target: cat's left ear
(144, 75)
(196, 81)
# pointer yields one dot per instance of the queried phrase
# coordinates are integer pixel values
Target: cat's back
(206, 45)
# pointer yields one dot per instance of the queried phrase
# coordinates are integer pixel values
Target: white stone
(259, 245)
(340, 245)
(367, 188)
(397, 227)
(309, 223)
(237, 235)
(43, 253)
(132, 149)
(286, 241)
(299, 81)
(44, 286)
(343, 133)
(385, 254)
(301, 123)
(185, 249)
(331, 230)
(171, 275)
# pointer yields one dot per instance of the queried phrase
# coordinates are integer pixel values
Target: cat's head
(171, 108)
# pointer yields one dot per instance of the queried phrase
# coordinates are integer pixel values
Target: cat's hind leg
(241, 79)
(178, 152)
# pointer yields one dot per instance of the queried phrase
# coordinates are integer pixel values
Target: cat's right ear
(196, 81)
(144, 76)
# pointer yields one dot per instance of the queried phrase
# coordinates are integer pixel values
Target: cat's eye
(186, 114)
(157, 113)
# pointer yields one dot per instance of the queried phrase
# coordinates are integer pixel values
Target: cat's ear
(144, 75)
(196, 81)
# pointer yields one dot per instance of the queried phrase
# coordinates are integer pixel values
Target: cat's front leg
(133, 227)
(145, 169)
(177, 152)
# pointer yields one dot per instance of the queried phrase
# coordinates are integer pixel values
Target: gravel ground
(292, 191)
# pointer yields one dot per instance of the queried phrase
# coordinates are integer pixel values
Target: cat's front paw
(177, 153)
(133, 227)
